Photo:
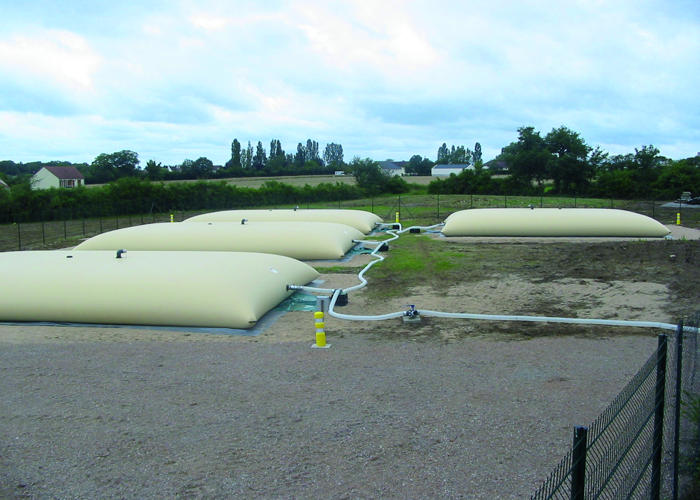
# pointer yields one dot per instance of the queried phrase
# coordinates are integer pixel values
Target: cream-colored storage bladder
(201, 289)
(552, 222)
(299, 240)
(359, 219)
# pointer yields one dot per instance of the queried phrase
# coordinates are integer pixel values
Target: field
(297, 180)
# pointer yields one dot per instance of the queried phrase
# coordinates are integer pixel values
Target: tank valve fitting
(411, 315)
(120, 253)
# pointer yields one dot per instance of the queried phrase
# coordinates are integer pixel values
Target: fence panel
(636, 446)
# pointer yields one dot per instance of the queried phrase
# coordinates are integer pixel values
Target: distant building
(57, 177)
(393, 167)
(450, 168)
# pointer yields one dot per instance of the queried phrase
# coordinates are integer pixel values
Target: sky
(175, 80)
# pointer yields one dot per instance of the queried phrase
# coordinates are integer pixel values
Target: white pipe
(440, 314)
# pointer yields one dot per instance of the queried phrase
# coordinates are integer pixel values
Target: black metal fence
(637, 447)
(427, 209)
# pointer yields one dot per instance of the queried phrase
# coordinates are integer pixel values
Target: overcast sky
(386, 79)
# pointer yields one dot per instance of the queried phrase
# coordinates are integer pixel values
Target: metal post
(471, 201)
(505, 201)
(19, 237)
(659, 418)
(83, 227)
(101, 230)
(438, 206)
(117, 218)
(677, 409)
(578, 463)
(43, 233)
(65, 230)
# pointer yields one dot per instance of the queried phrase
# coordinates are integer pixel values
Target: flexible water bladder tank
(359, 219)
(201, 289)
(299, 240)
(552, 222)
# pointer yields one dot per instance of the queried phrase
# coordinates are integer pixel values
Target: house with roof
(450, 168)
(393, 168)
(57, 177)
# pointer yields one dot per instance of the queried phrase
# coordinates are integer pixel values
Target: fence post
(43, 233)
(65, 230)
(578, 462)
(438, 206)
(659, 417)
(19, 237)
(677, 409)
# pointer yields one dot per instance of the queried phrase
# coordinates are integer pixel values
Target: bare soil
(442, 408)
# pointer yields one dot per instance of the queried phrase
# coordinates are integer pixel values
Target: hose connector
(120, 253)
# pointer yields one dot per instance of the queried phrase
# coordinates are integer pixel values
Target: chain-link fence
(638, 446)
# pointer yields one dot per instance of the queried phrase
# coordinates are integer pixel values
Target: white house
(452, 168)
(58, 177)
(393, 167)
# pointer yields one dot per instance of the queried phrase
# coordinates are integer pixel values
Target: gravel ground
(447, 409)
(145, 415)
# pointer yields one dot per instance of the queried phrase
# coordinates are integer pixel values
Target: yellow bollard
(678, 219)
(172, 218)
(397, 217)
(320, 333)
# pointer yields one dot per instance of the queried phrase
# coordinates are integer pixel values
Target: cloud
(65, 58)
(392, 79)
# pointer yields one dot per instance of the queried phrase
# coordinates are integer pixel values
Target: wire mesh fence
(418, 208)
(635, 448)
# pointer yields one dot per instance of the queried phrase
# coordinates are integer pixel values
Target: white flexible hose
(441, 314)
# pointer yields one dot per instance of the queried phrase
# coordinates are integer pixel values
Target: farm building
(57, 177)
(393, 168)
(452, 168)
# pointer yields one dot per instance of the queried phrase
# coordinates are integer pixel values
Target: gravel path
(145, 415)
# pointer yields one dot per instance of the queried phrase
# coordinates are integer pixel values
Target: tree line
(558, 163)
(561, 163)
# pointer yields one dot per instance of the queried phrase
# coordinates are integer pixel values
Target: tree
(247, 157)
(333, 155)
(419, 166)
(476, 155)
(312, 151)
(154, 171)
(235, 161)
(276, 149)
(443, 155)
(202, 168)
(568, 164)
(259, 159)
(460, 155)
(368, 175)
(527, 159)
(108, 167)
(300, 156)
